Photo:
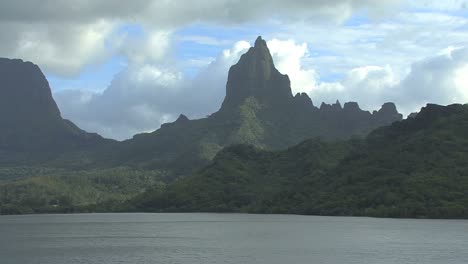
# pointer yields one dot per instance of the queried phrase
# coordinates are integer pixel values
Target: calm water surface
(229, 238)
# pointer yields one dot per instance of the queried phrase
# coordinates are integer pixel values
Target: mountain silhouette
(255, 75)
(415, 168)
(259, 109)
(30, 121)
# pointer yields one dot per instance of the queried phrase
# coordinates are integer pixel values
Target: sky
(124, 67)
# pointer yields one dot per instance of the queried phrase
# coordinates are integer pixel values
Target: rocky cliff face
(387, 114)
(29, 117)
(25, 93)
(255, 75)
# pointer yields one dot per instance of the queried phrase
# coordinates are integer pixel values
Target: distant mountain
(47, 164)
(258, 109)
(31, 126)
(414, 168)
(255, 76)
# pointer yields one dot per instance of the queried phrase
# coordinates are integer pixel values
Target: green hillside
(413, 168)
(45, 158)
(33, 190)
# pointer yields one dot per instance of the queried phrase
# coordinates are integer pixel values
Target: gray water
(229, 238)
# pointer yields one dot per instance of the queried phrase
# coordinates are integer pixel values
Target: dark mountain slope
(45, 152)
(31, 127)
(413, 168)
(259, 109)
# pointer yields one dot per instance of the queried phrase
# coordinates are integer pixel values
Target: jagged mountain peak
(260, 42)
(182, 118)
(255, 75)
(331, 107)
(303, 99)
(389, 107)
(258, 61)
(351, 106)
(388, 113)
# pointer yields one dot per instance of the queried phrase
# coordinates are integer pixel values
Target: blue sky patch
(94, 78)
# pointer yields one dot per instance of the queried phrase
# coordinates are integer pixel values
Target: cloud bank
(143, 97)
(409, 52)
(64, 37)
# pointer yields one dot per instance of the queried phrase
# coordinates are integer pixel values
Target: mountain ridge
(258, 109)
(264, 151)
(414, 168)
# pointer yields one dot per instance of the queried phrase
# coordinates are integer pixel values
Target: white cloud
(65, 37)
(64, 50)
(372, 81)
(144, 96)
(369, 85)
(152, 47)
(446, 5)
(398, 41)
(203, 40)
(287, 56)
(461, 82)
(411, 57)
(180, 12)
(435, 80)
(439, 79)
